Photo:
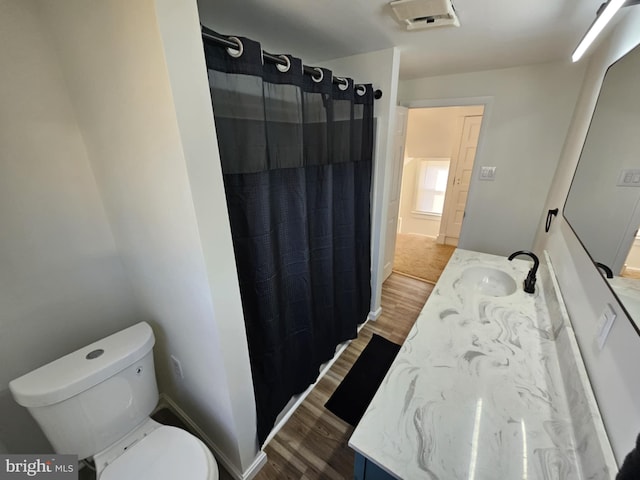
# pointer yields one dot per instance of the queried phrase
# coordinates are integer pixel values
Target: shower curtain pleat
(296, 159)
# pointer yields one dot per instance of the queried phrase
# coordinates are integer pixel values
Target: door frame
(487, 102)
(397, 166)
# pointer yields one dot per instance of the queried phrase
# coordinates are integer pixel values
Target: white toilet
(96, 402)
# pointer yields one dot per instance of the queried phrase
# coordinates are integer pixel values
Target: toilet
(96, 402)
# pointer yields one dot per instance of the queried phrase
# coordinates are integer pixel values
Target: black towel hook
(550, 214)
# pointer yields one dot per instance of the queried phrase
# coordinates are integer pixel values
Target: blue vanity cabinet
(365, 469)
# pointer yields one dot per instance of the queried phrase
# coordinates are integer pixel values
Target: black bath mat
(355, 392)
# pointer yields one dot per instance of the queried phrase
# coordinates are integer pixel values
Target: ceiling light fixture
(605, 14)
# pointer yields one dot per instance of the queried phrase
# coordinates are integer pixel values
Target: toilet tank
(87, 400)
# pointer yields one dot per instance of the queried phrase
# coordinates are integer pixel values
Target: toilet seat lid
(166, 453)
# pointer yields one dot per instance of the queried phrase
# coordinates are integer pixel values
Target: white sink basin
(489, 281)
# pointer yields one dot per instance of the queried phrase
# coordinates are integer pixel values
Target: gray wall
(112, 208)
(613, 371)
(62, 282)
(612, 144)
(522, 135)
(141, 94)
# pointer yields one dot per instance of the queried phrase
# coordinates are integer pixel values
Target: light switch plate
(629, 177)
(604, 325)
(487, 173)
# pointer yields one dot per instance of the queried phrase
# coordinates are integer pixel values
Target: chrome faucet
(530, 281)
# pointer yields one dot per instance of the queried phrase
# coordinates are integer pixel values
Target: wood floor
(314, 442)
(420, 257)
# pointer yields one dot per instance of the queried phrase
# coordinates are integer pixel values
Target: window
(431, 186)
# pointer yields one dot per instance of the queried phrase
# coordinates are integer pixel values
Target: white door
(394, 189)
(462, 166)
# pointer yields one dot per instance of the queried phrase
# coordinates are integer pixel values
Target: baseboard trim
(254, 468)
(324, 369)
(453, 241)
(423, 280)
(375, 314)
(259, 462)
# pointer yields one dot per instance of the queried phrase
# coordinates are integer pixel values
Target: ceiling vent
(419, 14)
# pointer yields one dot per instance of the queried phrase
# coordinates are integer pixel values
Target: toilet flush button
(94, 354)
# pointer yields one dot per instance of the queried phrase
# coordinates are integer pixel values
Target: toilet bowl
(161, 452)
(96, 402)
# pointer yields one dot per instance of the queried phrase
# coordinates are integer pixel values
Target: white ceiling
(492, 34)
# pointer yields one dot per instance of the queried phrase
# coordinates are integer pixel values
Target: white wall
(633, 259)
(180, 29)
(380, 68)
(62, 283)
(522, 135)
(149, 133)
(431, 133)
(414, 223)
(614, 370)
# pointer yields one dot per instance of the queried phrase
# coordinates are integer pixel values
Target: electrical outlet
(177, 367)
(604, 325)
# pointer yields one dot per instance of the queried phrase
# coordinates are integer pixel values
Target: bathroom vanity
(489, 384)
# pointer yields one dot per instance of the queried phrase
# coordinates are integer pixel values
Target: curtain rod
(226, 42)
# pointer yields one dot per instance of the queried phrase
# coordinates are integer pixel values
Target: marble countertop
(476, 391)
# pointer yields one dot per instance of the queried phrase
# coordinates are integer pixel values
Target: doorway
(631, 267)
(439, 151)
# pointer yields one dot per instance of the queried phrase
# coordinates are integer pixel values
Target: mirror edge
(633, 322)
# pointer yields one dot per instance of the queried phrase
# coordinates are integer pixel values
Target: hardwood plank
(314, 442)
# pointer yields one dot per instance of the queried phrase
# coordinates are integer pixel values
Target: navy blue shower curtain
(296, 153)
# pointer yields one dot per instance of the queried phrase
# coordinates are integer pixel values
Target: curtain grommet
(320, 76)
(344, 83)
(237, 52)
(361, 90)
(284, 68)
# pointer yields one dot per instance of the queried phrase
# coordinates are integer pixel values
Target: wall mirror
(603, 205)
